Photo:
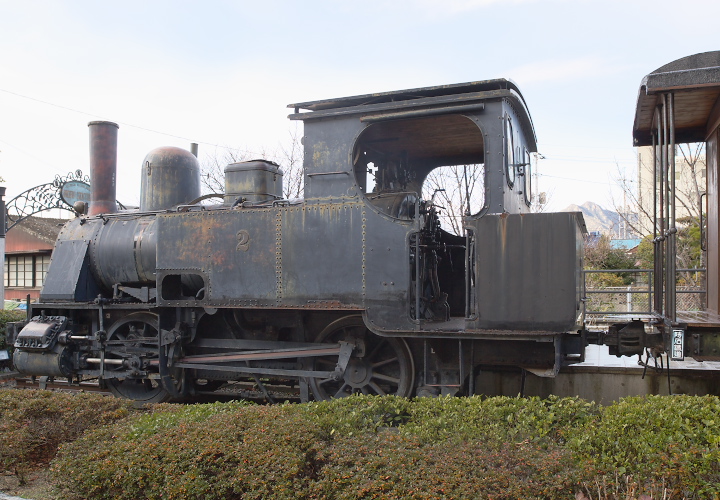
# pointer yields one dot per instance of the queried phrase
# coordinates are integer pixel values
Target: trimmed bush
(8, 317)
(669, 440)
(499, 419)
(202, 451)
(34, 423)
(392, 465)
(389, 447)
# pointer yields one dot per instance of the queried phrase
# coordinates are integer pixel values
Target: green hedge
(372, 447)
(369, 447)
(673, 441)
(8, 317)
(34, 423)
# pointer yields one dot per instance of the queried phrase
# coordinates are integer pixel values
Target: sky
(221, 72)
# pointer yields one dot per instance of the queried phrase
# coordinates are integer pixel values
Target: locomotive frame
(355, 288)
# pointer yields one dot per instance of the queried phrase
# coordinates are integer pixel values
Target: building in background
(28, 246)
(690, 184)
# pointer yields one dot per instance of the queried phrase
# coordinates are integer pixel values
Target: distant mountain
(597, 218)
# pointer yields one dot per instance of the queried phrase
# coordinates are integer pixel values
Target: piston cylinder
(56, 362)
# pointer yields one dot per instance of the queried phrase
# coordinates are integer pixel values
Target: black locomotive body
(355, 288)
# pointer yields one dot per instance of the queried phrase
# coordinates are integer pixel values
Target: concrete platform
(604, 378)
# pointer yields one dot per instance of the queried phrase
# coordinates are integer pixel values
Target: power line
(587, 159)
(119, 122)
(26, 153)
(576, 180)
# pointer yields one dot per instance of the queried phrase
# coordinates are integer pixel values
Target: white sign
(678, 345)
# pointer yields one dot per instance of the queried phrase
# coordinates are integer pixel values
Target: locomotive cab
(444, 178)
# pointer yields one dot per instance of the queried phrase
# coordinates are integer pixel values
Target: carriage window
(509, 152)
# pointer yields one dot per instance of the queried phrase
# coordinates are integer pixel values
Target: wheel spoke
(137, 330)
(340, 391)
(383, 363)
(377, 348)
(386, 367)
(386, 378)
(377, 388)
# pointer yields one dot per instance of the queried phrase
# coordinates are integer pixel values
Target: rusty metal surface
(68, 276)
(169, 176)
(234, 252)
(252, 181)
(264, 354)
(321, 257)
(124, 251)
(103, 167)
(530, 279)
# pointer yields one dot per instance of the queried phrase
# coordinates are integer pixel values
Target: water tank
(255, 181)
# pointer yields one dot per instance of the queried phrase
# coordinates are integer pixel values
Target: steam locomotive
(356, 288)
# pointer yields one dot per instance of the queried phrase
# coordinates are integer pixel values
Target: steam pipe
(666, 202)
(103, 167)
(672, 230)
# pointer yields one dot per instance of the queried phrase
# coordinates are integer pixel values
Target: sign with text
(73, 191)
(678, 345)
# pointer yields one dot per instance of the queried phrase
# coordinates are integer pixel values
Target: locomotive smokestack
(103, 167)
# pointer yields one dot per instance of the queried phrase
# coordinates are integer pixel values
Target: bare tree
(288, 155)
(459, 190)
(291, 159)
(636, 208)
(213, 167)
(689, 188)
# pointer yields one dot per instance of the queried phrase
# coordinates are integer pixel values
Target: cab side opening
(429, 170)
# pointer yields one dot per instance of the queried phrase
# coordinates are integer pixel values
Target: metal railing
(621, 291)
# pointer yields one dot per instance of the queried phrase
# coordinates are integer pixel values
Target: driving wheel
(379, 365)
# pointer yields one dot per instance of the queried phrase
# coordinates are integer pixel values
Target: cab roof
(446, 98)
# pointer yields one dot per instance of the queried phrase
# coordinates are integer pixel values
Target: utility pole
(2, 242)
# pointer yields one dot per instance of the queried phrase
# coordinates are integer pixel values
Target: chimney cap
(102, 122)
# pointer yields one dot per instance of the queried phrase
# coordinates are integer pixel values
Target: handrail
(642, 286)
